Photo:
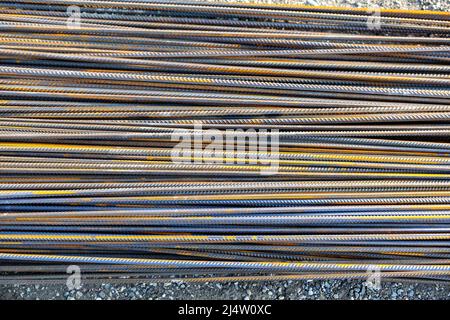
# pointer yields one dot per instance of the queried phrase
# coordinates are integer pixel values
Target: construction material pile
(349, 109)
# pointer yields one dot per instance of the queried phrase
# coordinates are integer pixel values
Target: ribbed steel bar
(211, 141)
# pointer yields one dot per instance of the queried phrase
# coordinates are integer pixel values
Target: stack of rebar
(92, 94)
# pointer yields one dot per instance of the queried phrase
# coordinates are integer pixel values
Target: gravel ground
(296, 290)
(269, 290)
(441, 5)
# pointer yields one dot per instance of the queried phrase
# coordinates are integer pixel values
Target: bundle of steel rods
(96, 97)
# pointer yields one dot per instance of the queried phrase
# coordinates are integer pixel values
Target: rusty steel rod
(210, 141)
